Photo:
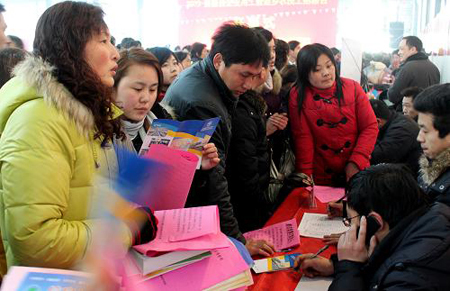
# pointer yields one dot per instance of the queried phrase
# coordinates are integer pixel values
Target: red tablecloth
(294, 206)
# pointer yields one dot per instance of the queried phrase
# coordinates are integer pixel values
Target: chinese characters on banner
(307, 21)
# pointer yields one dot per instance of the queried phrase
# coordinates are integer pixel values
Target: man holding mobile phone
(408, 247)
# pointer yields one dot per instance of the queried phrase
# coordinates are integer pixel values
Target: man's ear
(217, 60)
(380, 220)
(379, 122)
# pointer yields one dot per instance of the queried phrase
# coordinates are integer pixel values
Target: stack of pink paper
(196, 228)
(225, 269)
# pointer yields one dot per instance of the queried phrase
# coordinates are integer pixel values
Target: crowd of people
(287, 119)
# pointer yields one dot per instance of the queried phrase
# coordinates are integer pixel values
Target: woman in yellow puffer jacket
(56, 126)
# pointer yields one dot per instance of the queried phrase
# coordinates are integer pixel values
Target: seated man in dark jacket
(211, 88)
(397, 138)
(433, 105)
(409, 242)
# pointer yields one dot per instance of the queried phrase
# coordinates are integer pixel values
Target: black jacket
(397, 142)
(248, 163)
(415, 255)
(418, 71)
(435, 177)
(200, 93)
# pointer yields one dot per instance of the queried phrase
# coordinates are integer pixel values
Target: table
(293, 206)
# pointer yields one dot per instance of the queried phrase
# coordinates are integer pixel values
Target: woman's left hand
(350, 170)
(210, 157)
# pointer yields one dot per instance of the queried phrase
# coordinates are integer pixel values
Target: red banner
(304, 20)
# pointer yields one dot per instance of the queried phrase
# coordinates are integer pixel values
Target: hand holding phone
(353, 244)
(372, 227)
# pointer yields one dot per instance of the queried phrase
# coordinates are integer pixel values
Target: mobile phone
(372, 227)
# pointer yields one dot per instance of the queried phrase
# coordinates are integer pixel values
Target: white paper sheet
(314, 284)
(317, 225)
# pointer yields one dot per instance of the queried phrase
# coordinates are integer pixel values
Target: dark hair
(129, 42)
(414, 41)
(181, 55)
(162, 54)
(395, 52)
(2, 8)
(289, 74)
(239, 44)
(380, 109)
(9, 58)
(266, 33)
(17, 41)
(306, 62)
(411, 92)
(137, 56)
(187, 48)
(335, 51)
(197, 48)
(388, 189)
(293, 44)
(436, 100)
(281, 53)
(60, 39)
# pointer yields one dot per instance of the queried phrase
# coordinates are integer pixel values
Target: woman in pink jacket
(333, 125)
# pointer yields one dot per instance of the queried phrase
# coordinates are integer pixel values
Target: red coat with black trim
(327, 135)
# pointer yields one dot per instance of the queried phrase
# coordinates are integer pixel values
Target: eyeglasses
(348, 221)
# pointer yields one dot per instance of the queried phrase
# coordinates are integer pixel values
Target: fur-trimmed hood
(430, 170)
(34, 79)
(277, 84)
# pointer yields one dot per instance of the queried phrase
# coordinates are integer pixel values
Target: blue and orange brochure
(188, 135)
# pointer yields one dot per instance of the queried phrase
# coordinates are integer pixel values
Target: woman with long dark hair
(333, 125)
(57, 124)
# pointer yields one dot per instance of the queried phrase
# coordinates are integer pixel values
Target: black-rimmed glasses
(347, 221)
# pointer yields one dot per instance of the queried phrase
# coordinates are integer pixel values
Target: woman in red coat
(333, 125)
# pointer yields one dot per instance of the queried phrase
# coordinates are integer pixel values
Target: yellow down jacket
(48, 162)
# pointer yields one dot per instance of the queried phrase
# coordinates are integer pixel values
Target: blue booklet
(188, 135)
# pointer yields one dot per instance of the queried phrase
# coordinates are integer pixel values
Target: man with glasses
(211, 88)
(409, 246)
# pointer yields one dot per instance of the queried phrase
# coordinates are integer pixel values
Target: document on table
(282, 235)
(314, 284)
(317, 225)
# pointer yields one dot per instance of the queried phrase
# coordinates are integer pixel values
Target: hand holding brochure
(189, 135)
(282, 235)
